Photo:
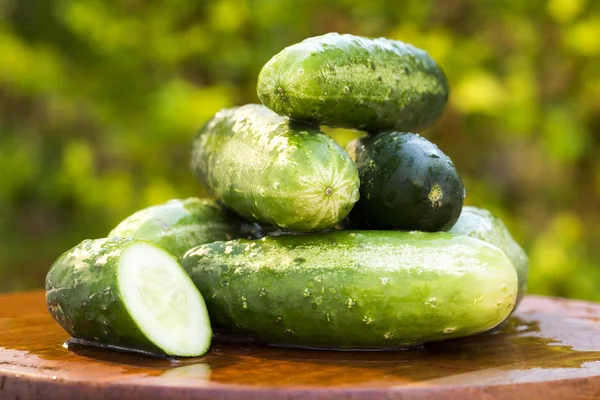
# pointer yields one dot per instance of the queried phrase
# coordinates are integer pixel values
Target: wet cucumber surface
(482, 224)
(407, 183)
(83, 297)
(274, 171)
(127, 293)
(354, 289)
(355, 82)
(178, 225)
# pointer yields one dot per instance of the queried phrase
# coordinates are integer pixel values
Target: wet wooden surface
(549, 350)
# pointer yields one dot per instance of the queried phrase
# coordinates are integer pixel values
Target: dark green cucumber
(354, 289)
(128, 293)
(179, 225)
(272, 171)
(406, 182)
(355, 82)
(482, 224)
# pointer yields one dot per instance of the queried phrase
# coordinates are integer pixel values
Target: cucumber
(128, 293)
(355, 82)
(273, 171)
(482, 224)
(407, 183)
(354, 289)
(179, 225)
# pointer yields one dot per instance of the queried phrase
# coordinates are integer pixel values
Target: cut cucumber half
(162, 300)
(128, 293)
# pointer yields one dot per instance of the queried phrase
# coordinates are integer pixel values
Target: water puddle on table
(533, 346)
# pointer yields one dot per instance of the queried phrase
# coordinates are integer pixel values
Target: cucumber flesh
(162, 300)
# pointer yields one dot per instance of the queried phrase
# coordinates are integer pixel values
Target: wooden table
(549, 350)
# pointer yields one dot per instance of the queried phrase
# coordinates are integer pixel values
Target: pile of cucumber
(306, 244)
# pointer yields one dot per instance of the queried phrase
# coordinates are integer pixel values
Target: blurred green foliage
(99, 102)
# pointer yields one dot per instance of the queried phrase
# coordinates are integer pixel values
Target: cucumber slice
(163, 301)
(128, 293)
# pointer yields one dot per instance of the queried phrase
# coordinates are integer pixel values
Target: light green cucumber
(354, 289)
(128, 293)
(179, 225)
(482, 224)
(355, 82)
(273, 171)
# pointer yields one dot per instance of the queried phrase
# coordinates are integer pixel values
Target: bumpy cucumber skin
(82, 295)
(406, 182)
(354, 289)
(355, 82)
(178, 225)
(482, 224)
(273, 171)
